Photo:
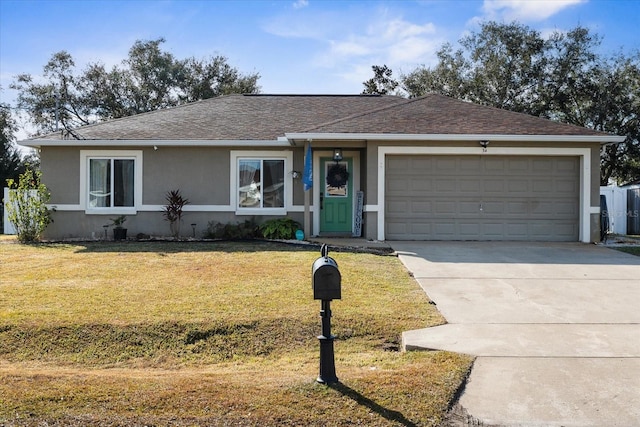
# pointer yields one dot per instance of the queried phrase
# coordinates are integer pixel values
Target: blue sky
(297, 46)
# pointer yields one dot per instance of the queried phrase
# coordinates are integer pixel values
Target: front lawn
(210, 334)
(633, 250)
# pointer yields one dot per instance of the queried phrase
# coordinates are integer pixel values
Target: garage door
(482, 198)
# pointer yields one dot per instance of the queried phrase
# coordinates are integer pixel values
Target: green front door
(336, 195)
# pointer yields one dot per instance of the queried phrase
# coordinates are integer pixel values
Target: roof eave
(290, 138)
(38, 143)
(602, 139)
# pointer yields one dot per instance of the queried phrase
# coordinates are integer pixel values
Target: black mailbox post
(326, 283)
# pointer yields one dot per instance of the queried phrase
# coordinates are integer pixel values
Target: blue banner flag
(307, 174)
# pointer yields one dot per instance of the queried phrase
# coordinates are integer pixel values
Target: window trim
(86, 156)
(236, 156)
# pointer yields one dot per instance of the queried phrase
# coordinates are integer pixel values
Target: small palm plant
(172, 211)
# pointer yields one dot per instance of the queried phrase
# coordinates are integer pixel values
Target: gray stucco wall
(201, 174)
(61, 173)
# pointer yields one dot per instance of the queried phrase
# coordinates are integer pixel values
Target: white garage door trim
(585, 174)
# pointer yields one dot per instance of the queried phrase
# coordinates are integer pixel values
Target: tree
(447, 78)
(27, 207)
(563, 78)
(11, 165)
(148, 79)
(498, 66)
(616, 109)
(381, 83)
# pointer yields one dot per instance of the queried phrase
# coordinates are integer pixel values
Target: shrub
(118, 221)
(27, 207)
(281, 228)
(172, 211)
(245, 230)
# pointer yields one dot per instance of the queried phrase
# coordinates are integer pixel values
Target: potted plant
(119, 232)
(172, 211)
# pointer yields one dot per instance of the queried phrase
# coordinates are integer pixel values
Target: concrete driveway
(555, 328)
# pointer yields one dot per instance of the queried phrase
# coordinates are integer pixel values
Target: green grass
(210, 334)
(633, 250)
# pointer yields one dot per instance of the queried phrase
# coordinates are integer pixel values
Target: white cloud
(384, 41)
(525, 10)
(299, 4)
(347, 43)
(395, 42)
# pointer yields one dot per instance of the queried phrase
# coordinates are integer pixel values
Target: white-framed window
(260, 182)
(111, 181)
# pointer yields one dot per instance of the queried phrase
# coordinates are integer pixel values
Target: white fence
(620, 214)
(616, 208)
(8, 226)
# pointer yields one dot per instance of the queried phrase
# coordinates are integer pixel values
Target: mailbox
(325, 279)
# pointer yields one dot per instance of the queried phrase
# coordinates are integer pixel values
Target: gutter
(290, 140)
(37, 143)
(602, 139)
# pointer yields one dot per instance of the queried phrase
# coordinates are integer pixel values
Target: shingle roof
(435, 114)
(267, 117)
(235, 117)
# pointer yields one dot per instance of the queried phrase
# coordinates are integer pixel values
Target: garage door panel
(418, 186)
(397, 206)
(445, 208)
(421, 163)
(493, 231)
(468, 208)
(471, 186)
(444, 229)
(470, 166)
(543, 164)
(542, 186)
(421, 206)
(421, 228)
(493, 208)
(469, 228)
(566, 209)
(398, 164)
(444, 186)
(398, 184)
(567, 164)
(494, 164)
(518, 186)
(482, 198)
(517, 166)
(519, 207)
(518, 230)
(397, 228)
(566, 186)
(494, 185)
(446, 164)
(542, 208)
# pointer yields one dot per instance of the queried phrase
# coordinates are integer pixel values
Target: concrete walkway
(555, 328)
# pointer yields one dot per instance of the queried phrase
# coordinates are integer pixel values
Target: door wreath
(337, 175)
